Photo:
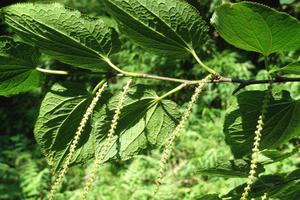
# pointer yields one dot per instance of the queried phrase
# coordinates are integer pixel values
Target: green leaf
(18, 62)
(292, 68)
(171, 28)
(282, 122)
(143, 123)
(231, 169)
(60, 114)
(255, 27)
(278, 186)
(64, 34)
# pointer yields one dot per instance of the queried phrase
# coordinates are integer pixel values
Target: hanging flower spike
(264, 197)
(256, 143)
(108, 143)
(75, 141)
(169, 145)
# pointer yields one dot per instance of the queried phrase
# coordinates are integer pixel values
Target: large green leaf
(63, 34)
(282, 122)
(143, 123)
(60, 114)
(231, 169)
(165, 27)
(255, 27)
(278, 186)
(18, 62)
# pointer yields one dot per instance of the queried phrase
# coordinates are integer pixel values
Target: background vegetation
(24, 173)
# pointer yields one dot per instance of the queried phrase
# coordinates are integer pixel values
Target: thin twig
(243, 82)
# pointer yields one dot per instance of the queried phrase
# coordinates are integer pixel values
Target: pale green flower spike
(264, 197)
(108, 143)
(169, 145)
(75, 141)
(256, 143)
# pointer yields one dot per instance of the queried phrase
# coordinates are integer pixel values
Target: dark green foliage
(283, 186)
(231, 169)
(164, 27)
(209, 161)
(23, 172)
(143, 123)
(86, 46)
(281, 125)
(18, 63)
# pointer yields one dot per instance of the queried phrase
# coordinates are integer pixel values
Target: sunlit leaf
(64, 34)
(171, 28)
(144, 123)
(255, 27)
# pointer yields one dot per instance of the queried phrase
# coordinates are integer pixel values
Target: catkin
(256, 144)
(108, 142)
(169, 145)
(75, 141)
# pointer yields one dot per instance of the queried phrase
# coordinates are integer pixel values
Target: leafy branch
(243, 82)
(173, 29)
